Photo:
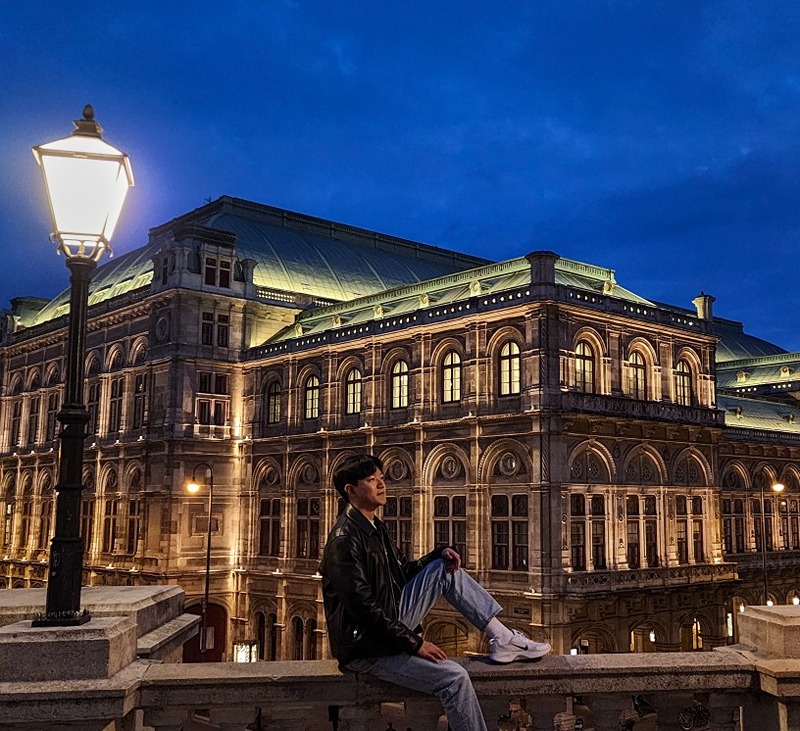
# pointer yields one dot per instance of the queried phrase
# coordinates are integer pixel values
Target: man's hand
(431, 652)
(451, 559)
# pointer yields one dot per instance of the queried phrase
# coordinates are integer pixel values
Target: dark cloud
(657, 139)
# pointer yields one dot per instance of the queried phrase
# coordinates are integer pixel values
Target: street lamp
(194, 487)
(777, 487)
(86, 180)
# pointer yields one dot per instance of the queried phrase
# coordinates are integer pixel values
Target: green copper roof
(752, 413)
(441, 292)
(735, 344)
(293, 252)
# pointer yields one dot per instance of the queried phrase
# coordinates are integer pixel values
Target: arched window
(400, 385)
(637, 375)
(352, 395)
(272, 410)
(584, 367)
(451, 377)
(311, 392)
(683, 384)
(510, 362)
(311, 639)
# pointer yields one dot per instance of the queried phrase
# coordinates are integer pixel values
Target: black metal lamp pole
(194, 487)
(86, 180)
(66, 549)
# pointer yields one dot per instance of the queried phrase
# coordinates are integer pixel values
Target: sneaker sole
(520, 656)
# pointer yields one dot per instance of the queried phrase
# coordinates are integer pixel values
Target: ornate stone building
(598, 459)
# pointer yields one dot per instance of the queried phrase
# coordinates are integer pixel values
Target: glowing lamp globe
(86, 181)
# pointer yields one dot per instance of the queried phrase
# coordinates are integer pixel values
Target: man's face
(369, 493)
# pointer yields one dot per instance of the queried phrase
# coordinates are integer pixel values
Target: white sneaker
(518, 648)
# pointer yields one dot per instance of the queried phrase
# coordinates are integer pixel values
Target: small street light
(86, 181)
(777, 487)
(194, 487)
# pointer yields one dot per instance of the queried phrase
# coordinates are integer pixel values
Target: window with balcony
(352, 391)
(633, 531)
(510, 532)
(311, 393)
(399, 387)
(450, 523)
(584, 368)
(510, 369)
(16, 422)
(451, 377)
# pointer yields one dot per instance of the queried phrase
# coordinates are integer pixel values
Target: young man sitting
(375, 600)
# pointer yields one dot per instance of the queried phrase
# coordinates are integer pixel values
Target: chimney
(704, 302)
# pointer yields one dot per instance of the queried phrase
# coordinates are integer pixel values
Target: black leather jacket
(363, 574)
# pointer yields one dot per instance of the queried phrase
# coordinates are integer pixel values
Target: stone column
(608, 710)
(544, 712)
(725, 710)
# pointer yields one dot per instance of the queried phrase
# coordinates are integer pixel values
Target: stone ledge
(152, 606)
(165, 643)
(97, 649)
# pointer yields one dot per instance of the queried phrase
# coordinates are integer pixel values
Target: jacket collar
(359, 519)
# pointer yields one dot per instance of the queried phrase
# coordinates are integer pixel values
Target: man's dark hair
(353, 469)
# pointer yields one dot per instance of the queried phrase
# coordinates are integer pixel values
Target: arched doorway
(217, 633)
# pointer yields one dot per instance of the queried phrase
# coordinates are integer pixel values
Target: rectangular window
(16, 420)
(93, 407)
(211, 271)
(44, 524)
(25, 525)
(223, 330)
(225, 274)
(727, 535)
(52, 414)
(578, 545)
(598, 544)
(134, 525)
(269, 543)
(682, 540)
(397, 518)
(207, 329)
(109, 525)
(450, 523)
(87, 523)
(33, 420)
(795, 533)
(633, 545)
(140, 401)
(8, 524)
(697, 541)
(651, 543)
(115, 405)
(307, 528)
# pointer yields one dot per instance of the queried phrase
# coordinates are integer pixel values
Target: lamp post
(778, 488)
(194, 487)
(86, 180)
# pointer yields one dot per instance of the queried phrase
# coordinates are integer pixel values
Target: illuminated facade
(598, 459)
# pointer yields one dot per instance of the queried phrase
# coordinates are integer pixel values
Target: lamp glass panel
(87, 181)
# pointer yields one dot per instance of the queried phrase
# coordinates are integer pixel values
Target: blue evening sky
(661, 139)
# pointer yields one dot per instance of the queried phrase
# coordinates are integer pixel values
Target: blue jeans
(447, 680)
